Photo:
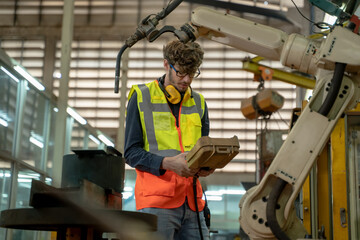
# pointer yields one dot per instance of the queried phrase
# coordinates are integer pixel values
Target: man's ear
(166, 65)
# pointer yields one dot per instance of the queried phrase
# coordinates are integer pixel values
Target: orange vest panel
(167, 191)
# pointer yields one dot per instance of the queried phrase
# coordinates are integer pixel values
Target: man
(165, 118)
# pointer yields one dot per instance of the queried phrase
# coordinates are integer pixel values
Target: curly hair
(188, 56)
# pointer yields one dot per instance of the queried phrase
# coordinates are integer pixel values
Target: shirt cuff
(157, 166)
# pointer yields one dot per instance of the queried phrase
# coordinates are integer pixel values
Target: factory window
(32, 143)
(24, 179)
(5, 186)
(78, 136)
(48, 161)
(8, 92)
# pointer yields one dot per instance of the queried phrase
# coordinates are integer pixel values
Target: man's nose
(187, 78)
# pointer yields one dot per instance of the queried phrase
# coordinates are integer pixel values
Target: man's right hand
(178, 165)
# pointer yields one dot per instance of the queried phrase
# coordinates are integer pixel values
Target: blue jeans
(178, 223)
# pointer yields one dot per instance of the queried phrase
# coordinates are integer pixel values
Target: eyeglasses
(182, 75)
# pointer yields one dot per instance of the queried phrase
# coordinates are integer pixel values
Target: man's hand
(204, 172)
(178, 165)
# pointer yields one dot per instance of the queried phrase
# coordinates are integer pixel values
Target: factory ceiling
(116, 19)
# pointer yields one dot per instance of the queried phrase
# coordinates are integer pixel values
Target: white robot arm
(238, 33)
(294, 50)
(267, 210)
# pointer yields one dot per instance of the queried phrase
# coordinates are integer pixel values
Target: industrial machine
(87, 206)
(267, 210)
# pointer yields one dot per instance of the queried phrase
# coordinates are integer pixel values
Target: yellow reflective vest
(162, 136)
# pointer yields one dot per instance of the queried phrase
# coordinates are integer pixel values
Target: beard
(173, 82)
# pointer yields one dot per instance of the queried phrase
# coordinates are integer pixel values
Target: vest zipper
(179, 129)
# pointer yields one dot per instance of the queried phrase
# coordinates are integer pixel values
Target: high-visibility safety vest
(162, 136)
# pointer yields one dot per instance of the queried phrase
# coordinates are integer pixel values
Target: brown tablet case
(213, 152)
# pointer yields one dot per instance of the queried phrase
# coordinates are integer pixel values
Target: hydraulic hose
(166, 11)
(271, 210)
(197, 208)
(117, 68)
(334, 89)
(145, 28)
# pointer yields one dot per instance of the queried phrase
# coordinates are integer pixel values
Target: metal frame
(353, 174)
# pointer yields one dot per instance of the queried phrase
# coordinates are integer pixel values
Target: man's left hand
(204, 172)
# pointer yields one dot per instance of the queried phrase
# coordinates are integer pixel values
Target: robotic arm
(235, 32)
(267, 210)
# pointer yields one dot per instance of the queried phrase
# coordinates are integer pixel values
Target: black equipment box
(96, 166)
(213, 152)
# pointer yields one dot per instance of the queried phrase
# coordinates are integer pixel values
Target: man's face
(181, 82)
